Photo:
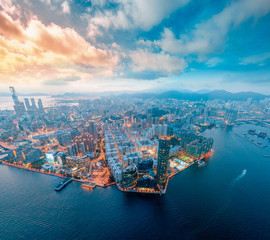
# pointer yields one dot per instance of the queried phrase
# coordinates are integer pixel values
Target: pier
(62, 184)
(249, 140)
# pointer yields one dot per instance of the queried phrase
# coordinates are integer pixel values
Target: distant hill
(217, 94)
(183, 95)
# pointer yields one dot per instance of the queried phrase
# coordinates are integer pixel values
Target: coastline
(249, 140)
(33, 170)
(163, 191)
(148, 191)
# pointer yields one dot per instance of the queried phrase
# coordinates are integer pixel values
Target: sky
(58, 46)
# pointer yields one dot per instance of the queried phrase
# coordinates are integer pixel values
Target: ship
(201, 163)
(262, 134)
(89, 185)
(251, 131)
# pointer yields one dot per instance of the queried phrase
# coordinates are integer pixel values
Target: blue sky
(91, 46)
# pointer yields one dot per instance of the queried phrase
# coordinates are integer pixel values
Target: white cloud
(144, 60)
(134, 14)
(255, 59)
(208, 36)
(212, 62)
(65, 7)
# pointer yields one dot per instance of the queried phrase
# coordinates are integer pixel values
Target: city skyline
(95, 46)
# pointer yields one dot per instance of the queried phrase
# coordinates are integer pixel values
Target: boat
(262, 134)
(89, 185)
(201, 163)
(251, 131)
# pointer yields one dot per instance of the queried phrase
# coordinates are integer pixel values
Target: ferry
(89, 185)
(201, 163)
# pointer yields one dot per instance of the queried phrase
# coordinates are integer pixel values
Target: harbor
(258, 145)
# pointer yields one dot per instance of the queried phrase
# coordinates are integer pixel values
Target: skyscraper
(40, 105)
(230, 116)
(92, 128)
(18, 106)
(163, 161)
(33, 104)
(27, 104)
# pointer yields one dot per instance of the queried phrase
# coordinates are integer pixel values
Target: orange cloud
(31, 50)
(8, 27)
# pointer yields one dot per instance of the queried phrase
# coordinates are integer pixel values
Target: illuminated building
(61, 158)
(129, 176)
(92, 128)
(163, 161)
(146, 181)
(145, 165)
(64, 139)
(51, 157)
(230, 116)
(199, 146)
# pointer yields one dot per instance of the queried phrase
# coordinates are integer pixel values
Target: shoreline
(54, 174)
(160, 192)
(33, 170)
(163, 191)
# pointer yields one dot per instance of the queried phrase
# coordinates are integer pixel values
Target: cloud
(209, 36)
(143, 60)
(38, 47)
(258, 59)
(132, 14)
(9, 28)
(65, 7)
(212, 62)
(62, 81)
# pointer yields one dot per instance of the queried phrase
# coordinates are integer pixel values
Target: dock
(249, 140)
(89, 185)
(62, 184)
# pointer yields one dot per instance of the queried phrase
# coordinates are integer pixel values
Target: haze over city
(53, 46)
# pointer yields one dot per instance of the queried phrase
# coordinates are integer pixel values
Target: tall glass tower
(163, 161)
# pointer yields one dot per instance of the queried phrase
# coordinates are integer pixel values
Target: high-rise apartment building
(163, 161)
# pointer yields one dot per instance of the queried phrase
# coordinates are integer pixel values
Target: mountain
(202, 91)
(184, 95)
(240, 96)
(217, 94)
